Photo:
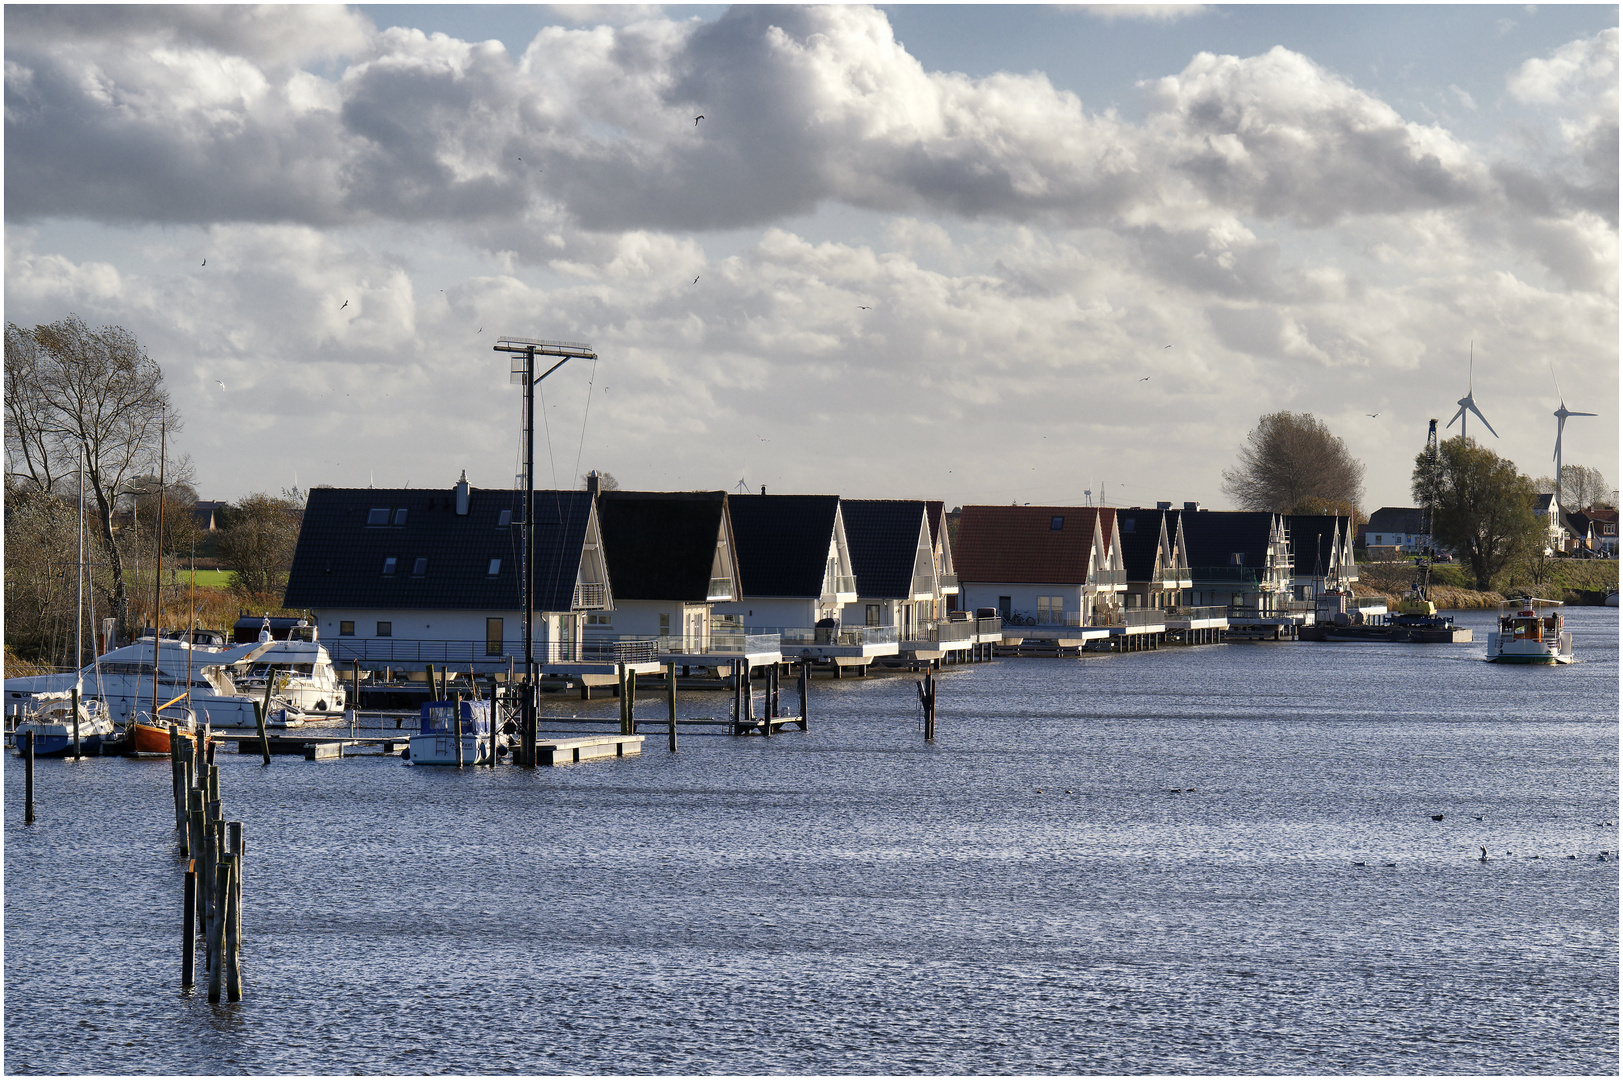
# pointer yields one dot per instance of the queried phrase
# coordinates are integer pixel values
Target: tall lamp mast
(523, 352)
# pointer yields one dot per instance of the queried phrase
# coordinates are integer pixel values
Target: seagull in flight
(695, 279)
(1372, 415)
(205, 262)
(222, 385)
(344, 305)
(864, 307)
(1145, 379)
(696, 119)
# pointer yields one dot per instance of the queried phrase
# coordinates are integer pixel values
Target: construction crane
(1416, 609)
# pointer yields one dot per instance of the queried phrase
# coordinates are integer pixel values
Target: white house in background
(1400, 527)
(400, 578)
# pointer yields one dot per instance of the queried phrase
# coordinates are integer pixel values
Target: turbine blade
(1582, 414)
(1456, 417)
(1484, 420)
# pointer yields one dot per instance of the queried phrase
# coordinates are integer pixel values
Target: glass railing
(410, 652)
(923, 585)
(1179, 614)
(1043, 618)
(720, 589)
(942, 630)
(1107, 577)
(834, 586)
(807, 636)
(726, 642)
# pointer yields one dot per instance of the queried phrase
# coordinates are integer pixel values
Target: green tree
(1292, 464)
(257, 544)
(1482, 506)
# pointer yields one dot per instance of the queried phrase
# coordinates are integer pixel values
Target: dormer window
(1056, 523)
(378, 515)
(400, 516)
(503, 519)
(420, 566)
(388, 566)
(495, 567)
(1129, 525)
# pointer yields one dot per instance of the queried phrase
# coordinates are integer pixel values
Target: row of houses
(1396, 531)
(398, 578)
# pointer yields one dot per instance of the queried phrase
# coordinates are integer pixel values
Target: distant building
(1400, 527)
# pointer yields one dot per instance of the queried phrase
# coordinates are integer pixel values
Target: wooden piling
(766, 702)
(234, 840)
(232, 937)
(670, 700)
(216, 938)
(188, 928)
(631, 701)
(620, 692)
(804, 685)
(177, 783)
(28, 777)
(264, 738)
(213, 775)
(927, 700)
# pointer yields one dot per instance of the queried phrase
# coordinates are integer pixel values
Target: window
(1237, 558)
(664, 624)
(385, 629)
(873, 615)
(1129, 525)
(1056, 523)
(400, 516)
(1005, 605)
(378, 515)
(603, 619)
(420, 567)
(346, 628)
(493, 637)
(388, 566)
(504, 519)
(495, 567)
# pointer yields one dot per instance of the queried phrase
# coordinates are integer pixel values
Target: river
(1026, 895)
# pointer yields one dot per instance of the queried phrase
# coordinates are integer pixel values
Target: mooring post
(188, 928)
(232, 936)
(804, 681)
(216, 940)
(234, 840)
(738, 684)
(264, 736)
(670, 700)
(631, 700)
(620, 692)
(766, 702)
(355, 692)
(28, 777)
(213, 783)
(177, 782)
(77, 755)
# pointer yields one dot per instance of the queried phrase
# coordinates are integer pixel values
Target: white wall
(1023, 596)
(785, 611)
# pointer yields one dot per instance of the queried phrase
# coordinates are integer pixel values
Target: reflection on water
(1027, 895)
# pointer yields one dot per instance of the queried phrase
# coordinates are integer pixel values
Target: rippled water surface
(1024, 896)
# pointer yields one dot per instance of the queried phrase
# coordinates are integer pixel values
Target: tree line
(86, 420)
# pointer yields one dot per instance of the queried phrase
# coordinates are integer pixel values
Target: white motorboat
(436, 742)
(306, 684)
(1531, 631)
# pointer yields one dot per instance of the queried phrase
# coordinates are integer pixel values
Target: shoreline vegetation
(1578, 582)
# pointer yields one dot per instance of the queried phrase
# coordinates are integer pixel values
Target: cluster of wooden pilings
(213, 848)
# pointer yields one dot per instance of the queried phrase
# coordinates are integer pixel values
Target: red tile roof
(1019, 543)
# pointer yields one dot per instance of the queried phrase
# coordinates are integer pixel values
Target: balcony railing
(1129, 617)
(942, 630)
(725, 642)
(1107, 577)
(1194, 613)
(923, 585)
(720, 589)
(1042, 618)
(990, 625)
(411, 652)
(948, 582)
(589, 595)
(807, 636)
(834, 586)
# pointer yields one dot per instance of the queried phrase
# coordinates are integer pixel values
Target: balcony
(943, 631)
(589, 596)
(718, 643)
(949, 583)
(809, 636)
(840, 586)
(1130, 617)
(720, 589)
(923, 585)
(990, 625)
(1183, 614)
(414, 652)
(1107, 578)
(1041, 618)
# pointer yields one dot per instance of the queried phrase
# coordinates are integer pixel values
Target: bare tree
(258, 541)
(1292, 464)
(69, 386)
(1581, 487)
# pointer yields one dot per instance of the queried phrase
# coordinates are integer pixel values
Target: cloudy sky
(981, 254)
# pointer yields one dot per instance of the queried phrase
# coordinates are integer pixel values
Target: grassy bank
(1573, 581)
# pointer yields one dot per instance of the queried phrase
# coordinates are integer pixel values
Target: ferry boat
(51, 720)
(1529, 635)
(435, 742)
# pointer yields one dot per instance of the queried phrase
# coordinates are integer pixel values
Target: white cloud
(1146, 12)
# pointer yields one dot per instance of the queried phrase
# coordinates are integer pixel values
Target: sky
(991, 254)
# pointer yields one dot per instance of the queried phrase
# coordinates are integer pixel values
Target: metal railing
(923, 584)
(720, 589)
(589, 595)
(411, 652)
(1043, 618)
(991, 625)
(948, 581)
(1129, 617)
(727, 642)
(942, 630)
(1210, 611)
(807, 636)
(1107, 577)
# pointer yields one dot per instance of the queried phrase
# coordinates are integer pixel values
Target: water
(1024, 896)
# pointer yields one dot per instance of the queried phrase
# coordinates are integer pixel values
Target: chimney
(462, 494)
(1190, 507)
(1163, 506)
(591, 483)
(763, 489)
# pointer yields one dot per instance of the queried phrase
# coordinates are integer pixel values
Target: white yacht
(306, 684)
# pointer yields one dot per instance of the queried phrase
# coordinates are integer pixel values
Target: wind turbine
(1561, 415)
(1468, 403)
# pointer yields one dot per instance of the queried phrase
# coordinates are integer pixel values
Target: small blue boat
(50, 718)
(436, 742)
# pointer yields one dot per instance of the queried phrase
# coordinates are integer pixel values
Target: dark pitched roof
(1215, 536)
(1020, 543)
(782, 542)
(660, 545)
(1313, 541)
(340, 557)
(1140, 532)
(1397, 519)
(883, 538)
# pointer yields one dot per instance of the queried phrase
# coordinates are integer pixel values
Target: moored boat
(1531, 631)
(436, 741)
(146, 734)
(51, 720)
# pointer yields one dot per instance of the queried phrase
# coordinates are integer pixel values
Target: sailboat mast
(157, 590)
(79, 606)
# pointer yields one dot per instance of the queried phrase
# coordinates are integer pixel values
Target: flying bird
(696, 119)
(864, 307)
(1169, 346)
(1372, 415)
(695, 279)
(480, 330)
(1145, 379)
(222, 385)
(344, 305)
(205, 262)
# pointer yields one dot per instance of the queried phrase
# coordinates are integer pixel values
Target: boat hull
(441, 750)
(143, 738)
(55, 746)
